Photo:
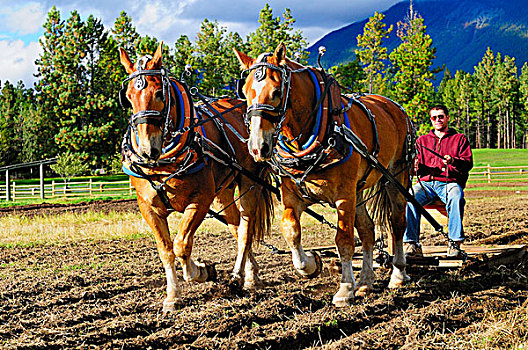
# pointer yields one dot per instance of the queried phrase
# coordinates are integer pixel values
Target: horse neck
(299, 117)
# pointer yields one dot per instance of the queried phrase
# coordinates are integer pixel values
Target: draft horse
(301, 125)
(177, 154)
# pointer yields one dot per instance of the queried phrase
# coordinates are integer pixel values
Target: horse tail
(264, 213)
(379, 205)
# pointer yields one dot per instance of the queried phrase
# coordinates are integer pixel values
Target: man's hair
(442, 107)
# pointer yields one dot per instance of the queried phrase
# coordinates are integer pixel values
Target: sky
(21, 21)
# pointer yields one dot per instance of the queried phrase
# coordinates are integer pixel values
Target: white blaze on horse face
(259, 139)
(257, 86)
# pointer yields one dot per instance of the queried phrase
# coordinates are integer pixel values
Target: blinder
(240, 84)
(123, 100)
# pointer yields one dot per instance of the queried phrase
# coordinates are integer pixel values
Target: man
(442, 166)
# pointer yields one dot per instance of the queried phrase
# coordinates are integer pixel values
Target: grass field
(500, 157)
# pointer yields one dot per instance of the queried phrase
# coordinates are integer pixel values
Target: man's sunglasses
(435, 117)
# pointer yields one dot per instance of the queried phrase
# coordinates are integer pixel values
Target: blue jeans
(429, 191)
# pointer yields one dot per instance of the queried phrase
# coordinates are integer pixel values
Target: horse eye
(276, 94)
(159, 95)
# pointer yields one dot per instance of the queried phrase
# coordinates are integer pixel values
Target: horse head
(266, 88)
(147, 91)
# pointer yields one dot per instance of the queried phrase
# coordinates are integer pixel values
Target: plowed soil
(108, 295)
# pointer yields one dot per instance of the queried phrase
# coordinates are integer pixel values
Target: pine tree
(484, 73)
(371, 53)
(464, 98)
(48, 66)
(412, 61)
(78, 91)
(214, 59)
(124, 33)
(273, 31)
(350, 75)
(523, 98)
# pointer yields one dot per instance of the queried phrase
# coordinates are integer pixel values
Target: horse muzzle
(261, 141)
(150, 145)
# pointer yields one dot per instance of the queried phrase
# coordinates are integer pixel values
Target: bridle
(159, 119)
(263, 110)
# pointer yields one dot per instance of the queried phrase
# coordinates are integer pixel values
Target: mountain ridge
(461, 30)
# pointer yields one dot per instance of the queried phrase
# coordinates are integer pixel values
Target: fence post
(14, 190)
(489, 173)
(90, 184)
(41, 170)
(130, 186)
(53, 188)
(8, 189)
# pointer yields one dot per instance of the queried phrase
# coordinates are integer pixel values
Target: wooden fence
(57, 189)
(499, 174)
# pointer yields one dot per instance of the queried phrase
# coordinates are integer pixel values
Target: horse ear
(245, 60)
(157, 59)
(125, 61)
(280, 54)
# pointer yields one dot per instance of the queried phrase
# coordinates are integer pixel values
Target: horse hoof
(398, 280)
(342, 301)
(212, 275)
(345, 295)
(318, 267)
(234, 286)
(253, 284)
(168, 306)
(363, 291)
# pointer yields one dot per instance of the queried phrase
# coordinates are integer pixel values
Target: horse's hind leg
(365, 228)
(398, 222)
(245, 270)
(345, 245)
(158, 223)
(225, 204)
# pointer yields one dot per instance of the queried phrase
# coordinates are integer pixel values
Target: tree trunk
(488, 130)
(499, 129)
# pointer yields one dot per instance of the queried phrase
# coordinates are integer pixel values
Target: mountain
(461, 30)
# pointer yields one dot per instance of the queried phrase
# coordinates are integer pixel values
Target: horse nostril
(265, 149)
(154, 153)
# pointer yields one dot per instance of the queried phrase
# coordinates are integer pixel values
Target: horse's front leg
(157, 220)
(307, 264)
(345, 246)
(193, 216)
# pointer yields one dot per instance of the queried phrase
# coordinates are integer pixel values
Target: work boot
(454, 251)
(413, 249)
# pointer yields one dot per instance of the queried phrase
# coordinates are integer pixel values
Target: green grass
(62, 200)
(60, 180)
(500, 157)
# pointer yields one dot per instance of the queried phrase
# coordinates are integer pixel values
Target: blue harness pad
(174, 142)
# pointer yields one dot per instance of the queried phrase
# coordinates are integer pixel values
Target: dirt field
(108, 295)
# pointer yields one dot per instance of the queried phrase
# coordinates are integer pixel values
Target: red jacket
(429, 166)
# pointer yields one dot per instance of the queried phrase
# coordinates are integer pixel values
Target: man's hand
(447, 159)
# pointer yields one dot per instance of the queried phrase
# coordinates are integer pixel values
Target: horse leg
(232, 215)
(307, 264)
(245, 235)
(398, 222)
(160, 228)
(345, 246)
(193, 216)
(365, 228)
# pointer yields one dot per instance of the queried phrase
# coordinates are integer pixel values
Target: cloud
(21, 21)
(26, 19)
(17, 61)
